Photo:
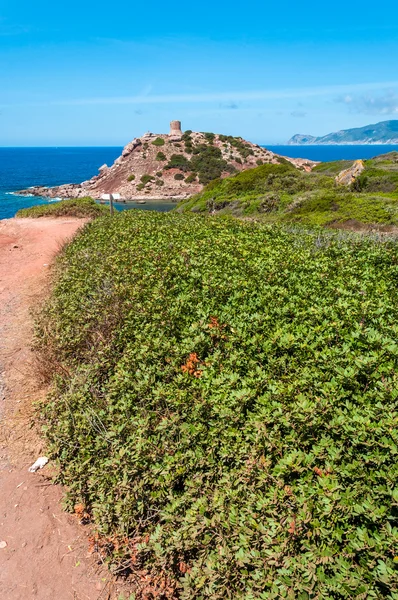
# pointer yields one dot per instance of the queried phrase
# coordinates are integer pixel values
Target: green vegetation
(208, 163)
(147, 178)
(191, 178)
(187, 139)
(161, 156)
(225, 404)
(131, 177)
(282, 193)
(241, 146)
(76, 207)
(158, 142)
(179, 176)
(210, 137)
(178, 161)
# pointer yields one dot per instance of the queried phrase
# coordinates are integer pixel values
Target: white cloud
(379, 104)
(145, 97)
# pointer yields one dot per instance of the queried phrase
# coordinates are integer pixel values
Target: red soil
(46, 553)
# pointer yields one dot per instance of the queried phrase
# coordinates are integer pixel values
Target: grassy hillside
(81, 207)
(280, 193)
(225, 405)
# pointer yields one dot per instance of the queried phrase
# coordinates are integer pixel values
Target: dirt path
(46, 553)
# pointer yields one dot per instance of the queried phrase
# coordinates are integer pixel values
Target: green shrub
(161, 156)
(179, 161)
(235, 414)
(210, 137)
(76, 207)
(147, 178)
(159, 174)
(191, 178)
(131, 177)
(159, 182)
(158, 142)
(140, 187)
(259, 161)
(179, 176)
(207, 161)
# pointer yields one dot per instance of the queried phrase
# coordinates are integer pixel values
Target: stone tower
(175, 130)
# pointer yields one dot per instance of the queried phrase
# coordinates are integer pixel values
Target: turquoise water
(21, 168)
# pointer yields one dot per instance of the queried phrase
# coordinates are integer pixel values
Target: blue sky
(92, 73)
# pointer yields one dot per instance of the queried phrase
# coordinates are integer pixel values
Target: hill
(170, 166)
(385, 132)
(281, 193)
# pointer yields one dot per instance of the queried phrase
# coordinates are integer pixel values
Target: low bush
(158, 142)
(210, 137)
(231, 423)
(77, 207)
(191, 178)
(147, 178)
(131, 177)
(179, 176)
(161, 156)
(178, 161)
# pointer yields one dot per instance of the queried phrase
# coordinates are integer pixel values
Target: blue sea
(21, 168)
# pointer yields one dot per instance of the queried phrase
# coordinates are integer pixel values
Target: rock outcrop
(348, 176)
(169, 167)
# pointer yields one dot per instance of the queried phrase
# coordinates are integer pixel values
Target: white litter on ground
(39, 464)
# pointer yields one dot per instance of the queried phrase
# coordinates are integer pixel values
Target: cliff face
(169, 167)
(385, 132)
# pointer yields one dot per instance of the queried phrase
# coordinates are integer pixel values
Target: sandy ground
(45, 556)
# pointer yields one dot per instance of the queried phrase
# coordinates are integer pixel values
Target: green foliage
(159, 174)
(178, 161)
(210, 137)
(237, 142)
(191, 178)
(140, 187)
(179, 176)
(333, 168)
(226, 395)
(131, 177)
(158, 142)
(161, 156)
(311, 198)
(207, 161)
(76, 207)
(147, 178)
(159, 182)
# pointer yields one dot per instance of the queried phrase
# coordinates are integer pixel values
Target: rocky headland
(170, 166)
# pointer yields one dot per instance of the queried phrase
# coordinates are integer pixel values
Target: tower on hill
(175, 130)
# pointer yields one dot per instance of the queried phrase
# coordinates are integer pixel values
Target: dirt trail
(46, 553)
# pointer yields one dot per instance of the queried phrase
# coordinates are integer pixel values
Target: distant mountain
(385, 132)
